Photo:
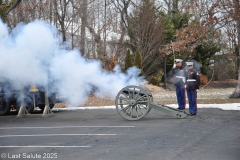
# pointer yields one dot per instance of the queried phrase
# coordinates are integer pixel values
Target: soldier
(179, 75)
(193, 83)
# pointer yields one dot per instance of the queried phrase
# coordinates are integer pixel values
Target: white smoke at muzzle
(32, 54)
(76, 77)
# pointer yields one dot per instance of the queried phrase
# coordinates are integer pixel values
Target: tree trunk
(61, 15)
(236, 93)
(6, 8)
(83, 26)
(14, 5)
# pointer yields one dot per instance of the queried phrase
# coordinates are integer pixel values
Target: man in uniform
(179, 75)
(193, 83)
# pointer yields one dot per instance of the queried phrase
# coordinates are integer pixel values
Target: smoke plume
(32, 53)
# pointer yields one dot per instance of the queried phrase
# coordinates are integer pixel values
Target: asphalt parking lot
(101, 134)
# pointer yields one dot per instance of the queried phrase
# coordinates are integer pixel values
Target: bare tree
(30, 10)
(88, 25)
(122, 6)
(146, 34)
(6, 8)
(226, 14)
(236, 16)
(61, 11)
(84, 8)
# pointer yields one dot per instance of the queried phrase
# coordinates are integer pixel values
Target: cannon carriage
(134, 102)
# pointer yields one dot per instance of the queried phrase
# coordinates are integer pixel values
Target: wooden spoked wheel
(133, 102)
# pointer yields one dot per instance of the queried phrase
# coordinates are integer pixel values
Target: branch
(14, 5)
(97, 37)
(123, 10)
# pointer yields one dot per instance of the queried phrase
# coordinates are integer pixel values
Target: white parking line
(45, 146)
(55, 127)
(39, 135)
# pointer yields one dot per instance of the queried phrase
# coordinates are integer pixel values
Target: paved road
(102, 134)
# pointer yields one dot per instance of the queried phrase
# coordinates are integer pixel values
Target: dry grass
(209, 95)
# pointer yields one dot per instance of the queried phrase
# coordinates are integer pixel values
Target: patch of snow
(226, 106)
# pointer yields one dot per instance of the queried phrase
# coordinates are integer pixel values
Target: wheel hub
(132, 102)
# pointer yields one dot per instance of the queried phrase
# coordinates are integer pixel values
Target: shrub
(128, 61)
(155, 79)
(203, 79)
(112, 63)
(138, 61)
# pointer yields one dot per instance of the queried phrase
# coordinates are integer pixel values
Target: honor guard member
(193, 83)
(179, 75)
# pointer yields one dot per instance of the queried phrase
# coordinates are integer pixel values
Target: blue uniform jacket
(193, 80)
(179, 75)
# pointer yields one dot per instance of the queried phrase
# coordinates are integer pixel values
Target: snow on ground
(202, 94)
(226, 106)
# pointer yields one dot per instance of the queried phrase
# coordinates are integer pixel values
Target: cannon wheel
(133, 102)
(151, 97)
(4, 107)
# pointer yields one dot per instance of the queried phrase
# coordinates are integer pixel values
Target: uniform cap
(189, 63)
(178, 60)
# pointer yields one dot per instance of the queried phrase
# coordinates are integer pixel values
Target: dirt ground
(212, 93)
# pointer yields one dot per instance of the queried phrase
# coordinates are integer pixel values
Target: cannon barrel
(134, 102)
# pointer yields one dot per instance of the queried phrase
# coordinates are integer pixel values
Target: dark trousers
(192, 99)
(180, 92)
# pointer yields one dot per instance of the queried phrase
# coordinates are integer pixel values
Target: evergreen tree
(180, 20)
(138, 61)
(173, 21)
(204, 54)
(128, 61)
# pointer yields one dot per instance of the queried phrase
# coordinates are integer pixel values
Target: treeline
(143, 31)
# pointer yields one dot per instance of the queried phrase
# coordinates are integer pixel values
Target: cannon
(134, 102)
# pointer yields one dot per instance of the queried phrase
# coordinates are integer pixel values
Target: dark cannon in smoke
(134, 102)
(29, 98)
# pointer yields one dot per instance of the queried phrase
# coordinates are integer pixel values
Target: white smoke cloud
(25, 54)
(32, 53)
